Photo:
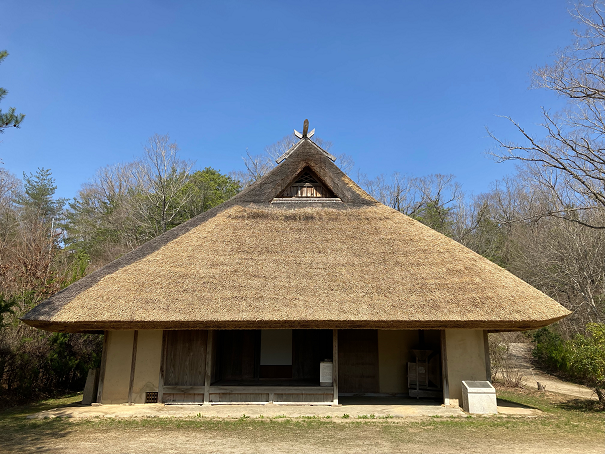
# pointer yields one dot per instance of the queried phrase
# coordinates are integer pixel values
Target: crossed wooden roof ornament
(305, 133)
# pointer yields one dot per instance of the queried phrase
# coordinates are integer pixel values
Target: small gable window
(307, 185)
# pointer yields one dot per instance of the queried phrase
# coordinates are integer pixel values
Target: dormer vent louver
(307, 185)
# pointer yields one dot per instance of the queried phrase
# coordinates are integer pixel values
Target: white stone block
(479, 397)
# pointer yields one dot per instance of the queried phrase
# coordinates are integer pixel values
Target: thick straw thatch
(251, 263)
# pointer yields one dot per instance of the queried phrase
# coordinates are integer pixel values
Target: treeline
(47, 243)
(510, 226)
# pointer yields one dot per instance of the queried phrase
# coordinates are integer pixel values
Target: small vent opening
(151, 398)
(307, 185)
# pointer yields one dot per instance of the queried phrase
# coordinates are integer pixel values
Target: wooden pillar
(208, 378)
(446, 385)
(335, 365)
(132, 365)
(162, 368)
(488, 364)
(103, 366)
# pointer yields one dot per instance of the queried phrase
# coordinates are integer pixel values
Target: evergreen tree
(208, 188)
(10, 118)
(37, 200)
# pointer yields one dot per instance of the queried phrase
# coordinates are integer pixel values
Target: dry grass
(565, 426)
(251, 264)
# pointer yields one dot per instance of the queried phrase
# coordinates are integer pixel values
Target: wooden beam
(103, 366)
(335, 365)
(208, 378)
(446, 383)
(162, 367)
(231, 389)
(175, 389)
(488, 364)
(132, 365)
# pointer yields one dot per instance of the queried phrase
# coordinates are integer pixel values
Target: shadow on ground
(20, 434)
(584, 405)
(386, 400)
(507, 404)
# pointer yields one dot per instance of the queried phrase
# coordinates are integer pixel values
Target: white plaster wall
(117, 367)
(147, 364)
(465, 359)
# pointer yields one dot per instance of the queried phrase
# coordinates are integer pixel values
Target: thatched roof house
(302, 250)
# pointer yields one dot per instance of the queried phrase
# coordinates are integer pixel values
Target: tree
(100, 220)
(8, 119)
(206, 189)
(161, 176)
(569, 163)
(124, 205)
(561, 258)
(37, 199)
(433, 200)
(9, 188)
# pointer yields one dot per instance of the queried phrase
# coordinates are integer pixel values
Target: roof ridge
(291, 150)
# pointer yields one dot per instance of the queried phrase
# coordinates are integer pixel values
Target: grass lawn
(564, 426)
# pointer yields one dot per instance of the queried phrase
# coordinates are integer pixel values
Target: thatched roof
(256, 262)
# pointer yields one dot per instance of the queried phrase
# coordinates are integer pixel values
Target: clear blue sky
(398, 85)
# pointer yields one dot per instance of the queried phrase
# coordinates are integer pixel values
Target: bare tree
(563, 259)
(432, 199)
(569, 163)
(257, 166)
(162, 176)
(9, 187)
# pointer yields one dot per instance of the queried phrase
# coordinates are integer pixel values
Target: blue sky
(404, 86)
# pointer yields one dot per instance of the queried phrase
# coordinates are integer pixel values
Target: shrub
(581, 358)
(550, 349)
(587, 358)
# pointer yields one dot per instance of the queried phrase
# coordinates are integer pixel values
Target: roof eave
(110, 325)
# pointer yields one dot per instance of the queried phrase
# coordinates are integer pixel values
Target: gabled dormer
(307, 185)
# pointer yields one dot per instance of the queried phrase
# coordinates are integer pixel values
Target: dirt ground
(295, 436)
(564, 419)
(555, 424)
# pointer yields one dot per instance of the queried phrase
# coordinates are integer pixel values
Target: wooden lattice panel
(307, 185)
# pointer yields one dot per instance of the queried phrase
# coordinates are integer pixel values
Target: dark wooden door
(309, 348)
(185, 358)
(358, 361)
(238, 355)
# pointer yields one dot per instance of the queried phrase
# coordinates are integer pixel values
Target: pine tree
(10, 118)
(38, 200)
